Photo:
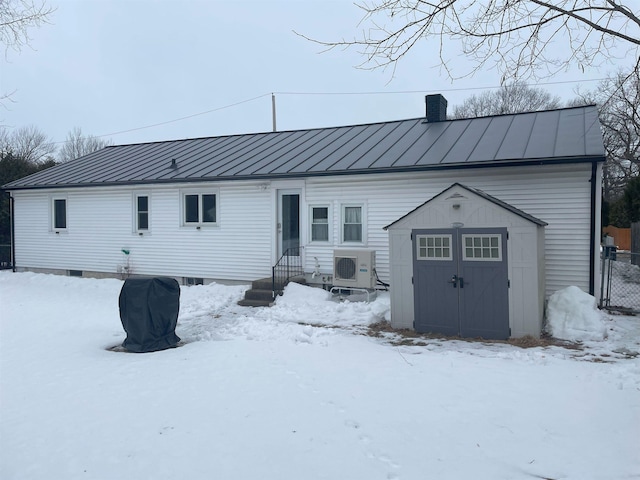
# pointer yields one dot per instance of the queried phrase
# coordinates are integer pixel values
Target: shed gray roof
(562, 135)
(486, 196)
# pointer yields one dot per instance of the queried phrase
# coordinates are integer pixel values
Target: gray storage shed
(466, 263)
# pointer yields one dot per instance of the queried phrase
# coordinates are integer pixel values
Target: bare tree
(518, 37)
(28, 143)
(515, 97)
(17, 17)
(77, 145)
(618, 100)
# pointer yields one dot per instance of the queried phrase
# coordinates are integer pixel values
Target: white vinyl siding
(239, 249)
(559, 195)
(243, 245)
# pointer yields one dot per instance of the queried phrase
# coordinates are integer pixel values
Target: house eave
(297, 175)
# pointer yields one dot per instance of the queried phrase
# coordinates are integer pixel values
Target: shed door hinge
(508, 283)
(507, 235)
(411, 280)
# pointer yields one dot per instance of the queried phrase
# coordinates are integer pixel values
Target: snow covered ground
(298, 391)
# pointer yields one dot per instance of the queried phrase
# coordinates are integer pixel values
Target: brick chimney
(436, 108)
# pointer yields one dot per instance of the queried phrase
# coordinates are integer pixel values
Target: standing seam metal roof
(562, 135)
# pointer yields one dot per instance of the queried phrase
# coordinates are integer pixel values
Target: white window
(199, 208)
(319, 223)
(433, 247)
(352, 224)
(486, 248)
(141, 206)
(58, 214)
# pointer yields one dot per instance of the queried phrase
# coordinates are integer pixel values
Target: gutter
(12, 237)
(592, 248)
(315, 174)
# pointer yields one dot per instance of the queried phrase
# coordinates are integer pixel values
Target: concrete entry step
(261, 292)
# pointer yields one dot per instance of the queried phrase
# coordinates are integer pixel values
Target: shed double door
(460, 280)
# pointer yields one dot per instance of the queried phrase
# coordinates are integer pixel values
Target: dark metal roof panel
(392, 134)
(353, 149)
(422, 139)
(542, 136)
(296, 146)
(516, 137)
(290, 151)
(564, 134)
(492, 139)
(593, 136)
(462, 151)
(322, 147)
(445, 143)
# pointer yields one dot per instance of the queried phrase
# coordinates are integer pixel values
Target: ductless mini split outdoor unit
(354, 268)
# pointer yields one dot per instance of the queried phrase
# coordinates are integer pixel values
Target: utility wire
(440, 90)
(181, 118)
(400, 92)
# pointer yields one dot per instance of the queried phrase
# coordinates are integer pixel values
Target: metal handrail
(288, 266)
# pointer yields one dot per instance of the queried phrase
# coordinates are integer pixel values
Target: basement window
(193, 281)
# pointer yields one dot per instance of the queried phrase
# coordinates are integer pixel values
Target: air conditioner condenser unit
(354, 268)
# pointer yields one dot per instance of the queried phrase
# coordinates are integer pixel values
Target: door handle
(461, 280)
(454, 281)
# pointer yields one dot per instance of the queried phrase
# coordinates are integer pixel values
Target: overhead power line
(399, 92)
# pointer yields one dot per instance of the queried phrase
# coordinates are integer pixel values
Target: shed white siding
(525, 260)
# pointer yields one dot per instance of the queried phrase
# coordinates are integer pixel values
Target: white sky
(113, 65)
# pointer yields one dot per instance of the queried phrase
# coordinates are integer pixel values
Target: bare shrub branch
(519, 37)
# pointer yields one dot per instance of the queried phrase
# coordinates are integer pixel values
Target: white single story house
(227, 208)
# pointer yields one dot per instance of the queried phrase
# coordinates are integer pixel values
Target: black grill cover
(149, 313)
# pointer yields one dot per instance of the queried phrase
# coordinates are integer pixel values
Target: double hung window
(142, 213)
(352, 223)
(319, 224)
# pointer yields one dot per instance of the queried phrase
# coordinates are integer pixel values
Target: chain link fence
(620, 286)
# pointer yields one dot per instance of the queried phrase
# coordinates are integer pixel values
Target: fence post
(635, 243)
